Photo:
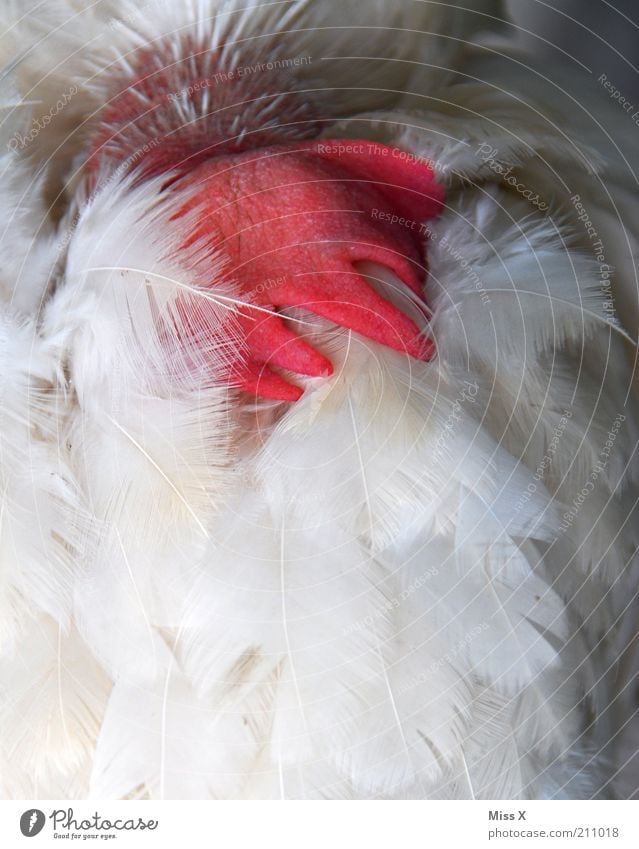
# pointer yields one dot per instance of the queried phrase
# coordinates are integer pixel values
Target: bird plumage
(414, 582)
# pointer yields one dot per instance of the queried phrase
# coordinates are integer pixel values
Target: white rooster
(317, 439)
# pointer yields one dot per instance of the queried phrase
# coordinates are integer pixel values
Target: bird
(318, 424)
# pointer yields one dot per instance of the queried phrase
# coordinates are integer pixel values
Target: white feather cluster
(412, 583)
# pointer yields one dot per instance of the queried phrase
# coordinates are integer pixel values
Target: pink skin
(292, 215)
(293, 219)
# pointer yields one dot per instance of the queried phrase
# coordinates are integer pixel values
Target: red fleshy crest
(293, 220)
(173, 109)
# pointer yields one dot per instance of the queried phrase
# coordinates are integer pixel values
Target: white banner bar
(320, 825)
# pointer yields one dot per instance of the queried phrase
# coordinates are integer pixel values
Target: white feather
(374, 592)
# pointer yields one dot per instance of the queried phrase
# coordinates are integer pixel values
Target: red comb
(293, 219)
